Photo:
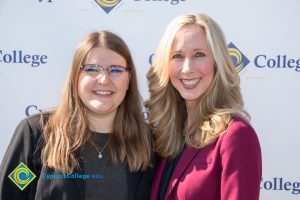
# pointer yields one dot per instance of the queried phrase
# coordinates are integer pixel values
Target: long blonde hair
(219, 103)
(67, 129)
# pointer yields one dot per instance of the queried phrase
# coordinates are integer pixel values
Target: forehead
(104, 56)
(190, 36)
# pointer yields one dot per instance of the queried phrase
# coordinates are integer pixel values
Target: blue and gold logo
(107, 5)
(239, 60)
(22, 176)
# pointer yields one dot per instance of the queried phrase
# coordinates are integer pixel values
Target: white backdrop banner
(38, 39)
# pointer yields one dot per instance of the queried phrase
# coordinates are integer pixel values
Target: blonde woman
(95, 144)
(208, 148)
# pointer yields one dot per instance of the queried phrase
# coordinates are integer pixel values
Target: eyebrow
(199, 49)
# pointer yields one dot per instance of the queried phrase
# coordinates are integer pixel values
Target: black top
(106, 180)
(166, 177)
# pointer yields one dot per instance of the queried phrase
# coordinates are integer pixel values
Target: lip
(190, 83)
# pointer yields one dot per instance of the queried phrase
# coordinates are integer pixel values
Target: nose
(187, 66)
(103, 77)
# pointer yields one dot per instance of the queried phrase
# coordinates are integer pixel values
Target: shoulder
(32, 125)
(239, 124)
(239, 127)
(239, 134)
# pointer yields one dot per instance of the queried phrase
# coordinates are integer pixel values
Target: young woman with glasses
(95, 144)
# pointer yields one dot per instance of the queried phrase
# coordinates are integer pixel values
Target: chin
(102, 109)
(189, 97)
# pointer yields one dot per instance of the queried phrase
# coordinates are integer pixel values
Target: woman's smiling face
(191, 63)
(103, 94)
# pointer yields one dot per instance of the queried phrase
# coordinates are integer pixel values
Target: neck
(191, 113)
(101, 123)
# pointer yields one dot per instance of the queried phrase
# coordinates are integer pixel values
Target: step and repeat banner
(38, 39)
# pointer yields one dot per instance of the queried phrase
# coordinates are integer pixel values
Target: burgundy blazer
(228, 169)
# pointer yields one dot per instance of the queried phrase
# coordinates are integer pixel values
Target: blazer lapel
(157, 179)
(187, 156)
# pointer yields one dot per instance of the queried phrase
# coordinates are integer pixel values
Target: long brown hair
(217, 105)
(67, 129)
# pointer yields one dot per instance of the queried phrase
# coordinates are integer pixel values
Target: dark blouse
(166, 177)
(107, 181)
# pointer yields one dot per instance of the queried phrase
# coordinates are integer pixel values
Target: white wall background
(257, 27)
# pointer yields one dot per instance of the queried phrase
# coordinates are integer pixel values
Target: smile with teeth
(190, 83)
(103, 92)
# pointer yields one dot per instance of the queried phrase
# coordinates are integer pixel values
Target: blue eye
(91, 69)
(115, 69)
(199, 54)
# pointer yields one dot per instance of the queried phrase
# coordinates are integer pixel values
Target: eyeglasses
(94, 70)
